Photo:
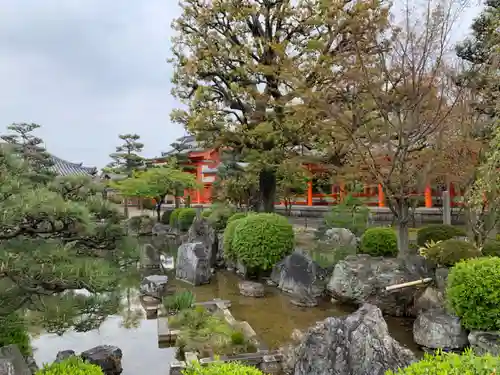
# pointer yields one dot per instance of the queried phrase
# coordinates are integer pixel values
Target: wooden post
(310, 193)
(446, 208)
(381, 197)
(428, 196)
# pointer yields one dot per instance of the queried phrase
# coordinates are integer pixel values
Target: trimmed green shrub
(165, 217)
(174, 216)
(186, 218)
(261, 240)
(13, 330)
(438, 232)
(206, 213)
(449, 252)
(452, 364)
(491, 248)
(148, 204)
(71, 366)
(221, 368)
(228, 240)
(236, 216)
(379, 242)
(473, 293)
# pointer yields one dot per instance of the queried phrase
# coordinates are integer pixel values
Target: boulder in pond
(251, 289)
(64, 354)
(150, 256)
(485, 342)
(12, 361)
(436, 329)
(108, 357)
(362, 279)
(341, 237)
(430, 299)
(154, 286)
(202, 231)
(193, 264)
(160, 229)
(298, 274)
(357, 344)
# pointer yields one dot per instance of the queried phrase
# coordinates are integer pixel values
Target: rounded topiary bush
(452, 364)
(473, 293)
(71, 366)
(261, 240)
(379, 242)
(449, 252)
(220, 213)
(491, 248)
(221, 368)
(186, 218)
(165, 217)
(174, 216)
(228, 239)
(13, 330)
(438, 232)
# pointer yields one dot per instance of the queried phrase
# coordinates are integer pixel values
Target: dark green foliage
(438, 232)
(174, 218)
(261, 240)
(491, 248)
(148, 204)
(186, 218)
(165, 217)
(330, 257)
(379, 242)
(237, 338)
(441, 363)
(179, 301)
(473, 293)
(229, 254)
(351, 214)
(13, 330)
(449, 252)
(72, 366)
(221, 368)
(220, 214)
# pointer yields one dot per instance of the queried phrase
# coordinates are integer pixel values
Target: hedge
(438, 232)
(473, 293)
(379, 242)
(186, 218)
(71, 366)
(449, 252)
(222, 368)
(261, 240)
(174, 216)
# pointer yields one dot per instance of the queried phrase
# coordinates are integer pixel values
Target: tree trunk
(403, 217)
(158, 208)
(125, 207)
(267, 187)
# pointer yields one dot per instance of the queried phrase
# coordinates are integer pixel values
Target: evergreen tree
(56, 239)
(31, 149)
(126, 159)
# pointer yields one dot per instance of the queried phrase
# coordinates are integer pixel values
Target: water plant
(179, 301)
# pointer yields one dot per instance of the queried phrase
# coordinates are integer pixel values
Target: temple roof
(65, 168)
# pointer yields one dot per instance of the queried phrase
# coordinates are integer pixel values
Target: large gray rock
(202, 231)
(485, 342)
(340, 237)
(193, 264)
(150, 256)
(298, 274)
(251, 289)
(108, 357)
(154, 286)
(160, 229)
(430, 299)
(358, 344)
(362, 279)
(64, 354)
(436, 329)
(12, 361)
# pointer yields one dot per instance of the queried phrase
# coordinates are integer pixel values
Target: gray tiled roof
(65, 168)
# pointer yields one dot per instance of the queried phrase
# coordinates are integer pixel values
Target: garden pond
(273, 318)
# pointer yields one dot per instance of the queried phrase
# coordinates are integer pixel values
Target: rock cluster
(108, 357)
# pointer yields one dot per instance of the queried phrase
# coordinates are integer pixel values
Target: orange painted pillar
(428, 196)
(342, 191)
(381, 197)
(310, 193)
(199, 178)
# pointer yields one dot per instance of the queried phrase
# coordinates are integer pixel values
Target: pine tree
(30, 148)
(126, 159)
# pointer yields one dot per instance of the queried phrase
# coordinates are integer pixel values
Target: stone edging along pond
(268, 362)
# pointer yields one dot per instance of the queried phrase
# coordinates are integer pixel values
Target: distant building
(65, 168)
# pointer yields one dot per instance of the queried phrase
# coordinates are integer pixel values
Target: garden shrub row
(379, 242)
(438, 232)
(182, 218)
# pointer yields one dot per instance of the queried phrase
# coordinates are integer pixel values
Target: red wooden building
(204, 162)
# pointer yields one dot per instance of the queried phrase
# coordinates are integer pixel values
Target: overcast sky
(88, 70)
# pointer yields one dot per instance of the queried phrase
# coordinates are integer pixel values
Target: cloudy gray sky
(88, 70)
